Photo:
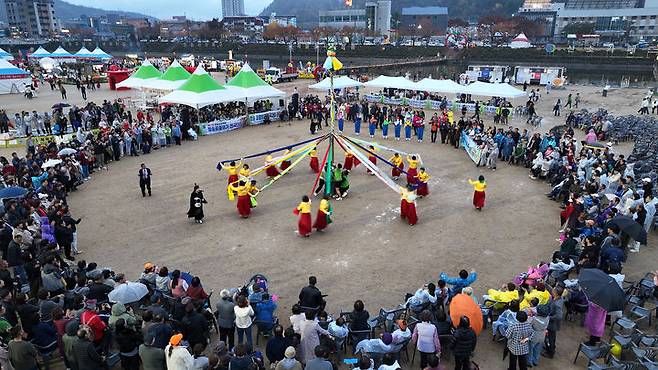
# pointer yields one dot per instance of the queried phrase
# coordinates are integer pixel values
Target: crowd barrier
(220, 126)
(20, 142)
(258, 118)
(428, 104)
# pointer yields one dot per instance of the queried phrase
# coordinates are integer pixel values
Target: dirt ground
(368, 253)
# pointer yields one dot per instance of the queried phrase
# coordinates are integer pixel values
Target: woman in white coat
(177, 356)
(310, 330)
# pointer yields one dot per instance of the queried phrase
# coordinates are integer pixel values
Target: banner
(471, 147)
(219, 126)
(428, 104)
(18, 142)
(258, 118)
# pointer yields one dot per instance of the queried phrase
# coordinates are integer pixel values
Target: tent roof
(3, 53)
(247, 78)
(392, 82)
(521, 37)
(440, 86)
(340, 82)
(7, 68)
(200, 90)
(98, 52)
(201, 81)
(146, 71)
(251, 87)
(40, 53)
(502, 90)
(60, 52)
(173, 78)
(84, 53)
(139, 78)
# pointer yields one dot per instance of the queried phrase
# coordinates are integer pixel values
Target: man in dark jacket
(161, 332)
(276, 346)
(153, 358)
(310, 296)
(195, 326)
(64, 237)
(557, 311)
(463, 344)
(86, 356)
(14, 256)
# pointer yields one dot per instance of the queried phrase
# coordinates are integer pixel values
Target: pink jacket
(427, 338)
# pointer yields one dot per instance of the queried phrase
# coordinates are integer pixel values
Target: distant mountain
(64, 10)
(307, 16)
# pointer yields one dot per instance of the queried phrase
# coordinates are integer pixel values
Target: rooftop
(425, 10)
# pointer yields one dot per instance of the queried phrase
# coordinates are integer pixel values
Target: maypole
(331, 65)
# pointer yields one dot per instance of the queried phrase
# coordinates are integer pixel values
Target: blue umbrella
(12, 192)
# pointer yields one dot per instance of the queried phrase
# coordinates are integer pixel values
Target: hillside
(307, 16)
(64, 10)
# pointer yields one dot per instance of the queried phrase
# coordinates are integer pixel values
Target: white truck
(274, 75)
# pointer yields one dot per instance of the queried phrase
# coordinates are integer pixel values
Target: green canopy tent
(138, 79)
(173, 78)
(251, 87)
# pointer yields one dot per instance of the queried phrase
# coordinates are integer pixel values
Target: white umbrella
(51, 163)
(128, 293)
(67, 151)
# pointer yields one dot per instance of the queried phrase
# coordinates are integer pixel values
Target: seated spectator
(379, 345)
(508, 317)
(506, 294)
(422, 298)
(297, 318)
(265, 313)
(195, 291)
(337, 329)
(290, 363)
(201, 362)
(177, 286)
(400, 335)
(276, 346)
(560, 266)
(148, 276)
(389, 362)
(359, 317)
(364, 363)
(162, 281)
(465, 279)
(538, 292)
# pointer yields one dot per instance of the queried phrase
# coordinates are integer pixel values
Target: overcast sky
(163, 9)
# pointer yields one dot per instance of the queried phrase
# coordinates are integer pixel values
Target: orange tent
(464, 305)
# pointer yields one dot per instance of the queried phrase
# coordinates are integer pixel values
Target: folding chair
(648, 353)
(649, 364)
(355, 336)
(596, 366)
(593, 352)
(378, 321)
(266, 333)
(626, 341)
(624, 323)
(625, 365)
(639, 314)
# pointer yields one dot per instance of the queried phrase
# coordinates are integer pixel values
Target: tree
(492, 19)
(211, 30)
(273, 32)
(290, 33)
(457, 22)
(528, 26)
(579, 28)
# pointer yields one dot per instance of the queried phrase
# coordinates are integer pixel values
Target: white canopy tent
(39, 53)
(5, 55)
(501, 90)
(440, 86)
(340, 82)
(139, 78)
(520, 42)
(12, 78)
(173, 78)
(387, 82)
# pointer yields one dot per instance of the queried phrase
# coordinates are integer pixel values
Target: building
(432, 19)
(33, 18)
(243, 24)
(544, 13)
(613, 20)
(232, 8)
(179, 26)
(374, 17)
(281, 20)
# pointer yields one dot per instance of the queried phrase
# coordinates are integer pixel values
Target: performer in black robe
(196, 205)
